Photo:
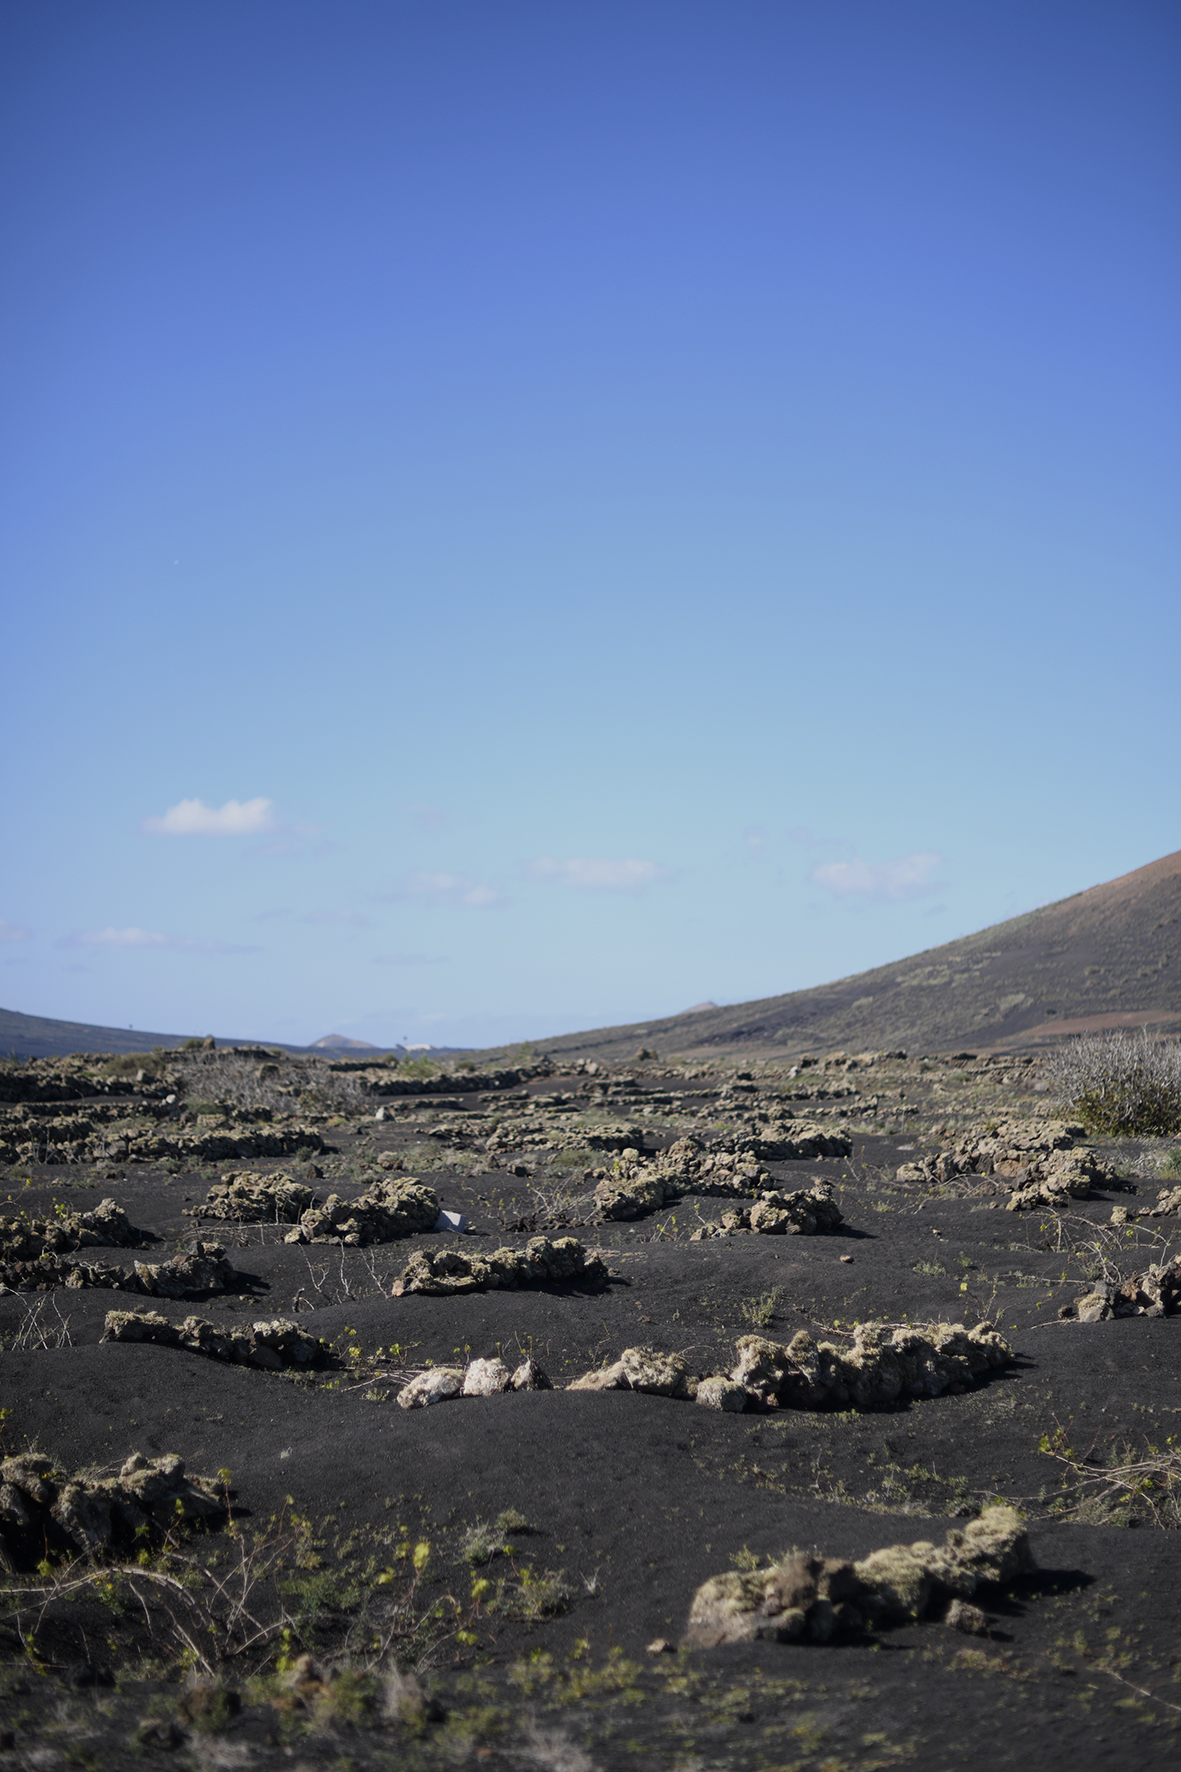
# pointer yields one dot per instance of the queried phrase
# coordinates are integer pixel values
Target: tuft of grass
(760, 1312)
(490, 1538)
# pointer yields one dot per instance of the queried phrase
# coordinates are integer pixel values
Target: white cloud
(891, 881)
(192, 818)
(149, 938)
(452, 889)
(599, 876)
(13, 931)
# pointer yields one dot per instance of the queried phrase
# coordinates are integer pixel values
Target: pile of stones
(813, 1599)
(542, 1261)
(1039, 1165)
(248, 1198)
(1154, 1293)
(27, 1239)
(385, 1211)
(481, 1378)
(105, 1134)
(812, 1212)
(637, 1185)
(199, 1269)
(41, 1506)
(1168, 1203)
(879, 1366)
(271, 1344)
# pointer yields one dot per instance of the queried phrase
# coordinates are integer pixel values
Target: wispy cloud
(427, 817)
(889, 882)
(14, 931)
(150, 938)
(349, 919)
(454, 889)
(409, 959)
(192, 818)
(598, 875)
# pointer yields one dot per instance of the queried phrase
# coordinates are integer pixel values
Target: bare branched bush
(1116, 1484)
(1123, 1085)
(43, 1325)
(555, 1203)
(282, 1085)
(1110, 1252)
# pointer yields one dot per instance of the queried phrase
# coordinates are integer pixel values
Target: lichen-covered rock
(877, 1366)
(486, 1378)
(630, 1195)
(813, 1599)
(1057, 1179)
(148, 1132)
(447, 1271)
(530, 1377)
(248, 1198)
(271, 1343)
(1154, 1293)
(720, 1392)
(611, 1137)
(807, 1213)
(200, 1269)
(782, 1141)
(641, 1369)
(1043, 1163)
(437, 1385)
(27, 1239)
(385, 1211)
(89, 1513)
(1168, 1202)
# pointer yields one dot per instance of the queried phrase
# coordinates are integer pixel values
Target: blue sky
(523, 516)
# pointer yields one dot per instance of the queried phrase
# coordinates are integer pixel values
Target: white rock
(434, 1386)
(486, 1378)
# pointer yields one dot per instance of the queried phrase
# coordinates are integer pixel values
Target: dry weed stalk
(1102, 1251)
(280, 1587)
(37, 1330)
(1116, 1482)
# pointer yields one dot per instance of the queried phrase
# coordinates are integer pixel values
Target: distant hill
(1107, 957)
(38, 1036)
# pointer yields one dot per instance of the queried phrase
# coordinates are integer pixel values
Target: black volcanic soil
(633, 1499)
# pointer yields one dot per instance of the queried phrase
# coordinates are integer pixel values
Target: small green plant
(931, 1268)
(760, 1312)
(1170, 1164)
(530, 1595)
(490, 1538)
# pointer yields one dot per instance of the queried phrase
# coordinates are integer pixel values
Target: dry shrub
(1123, 1085)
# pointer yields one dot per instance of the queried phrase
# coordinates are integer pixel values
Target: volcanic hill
(1104, 958)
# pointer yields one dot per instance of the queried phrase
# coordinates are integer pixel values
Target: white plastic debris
(451, 1221)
